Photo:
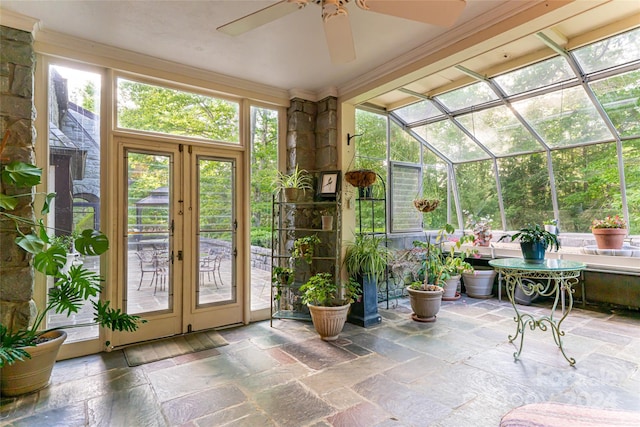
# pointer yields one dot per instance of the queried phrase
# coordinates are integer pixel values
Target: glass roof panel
(449, 140)
(620, 97)
(535, 76)
(418, 111)
(565, 117)
(468, 96)
(499, 130)
(609, 53)
(404, 147)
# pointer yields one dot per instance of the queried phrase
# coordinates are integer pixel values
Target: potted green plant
(534, 242)
(328, 303)
(293, 185)
(481, 228)
(366, 259)
(304, 248)
(425, 295)
(609, 232)
(27, 353)
(282, 278)
(454, 263)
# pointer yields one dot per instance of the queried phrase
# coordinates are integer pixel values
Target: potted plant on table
(534, 242)
(27, 353)
(328, 303)
(609, 232)
(366, 260)
(293, 185)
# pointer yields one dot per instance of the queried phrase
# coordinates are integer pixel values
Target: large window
(146, 107)
(554, 139)
(74, 159)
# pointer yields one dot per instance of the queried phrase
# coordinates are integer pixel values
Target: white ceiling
(288, 54)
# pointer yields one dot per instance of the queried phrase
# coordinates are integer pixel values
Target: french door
(179, 227)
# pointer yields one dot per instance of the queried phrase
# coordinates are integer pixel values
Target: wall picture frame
(328, 184)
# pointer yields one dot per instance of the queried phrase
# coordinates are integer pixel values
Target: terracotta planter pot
(329, 321)
(32, 374)
(293, 194)
(609, 238)
(425, 304)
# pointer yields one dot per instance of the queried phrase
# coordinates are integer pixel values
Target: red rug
(561, 415)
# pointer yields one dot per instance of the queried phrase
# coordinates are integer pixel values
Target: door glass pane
(74, 157)
(216, 251)
(148, 270)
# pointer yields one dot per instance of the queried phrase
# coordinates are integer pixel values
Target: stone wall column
(301, 138)
(327, 134)
(17, 65)
(312, 134)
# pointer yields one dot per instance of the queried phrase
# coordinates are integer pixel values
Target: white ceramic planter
(479, 284)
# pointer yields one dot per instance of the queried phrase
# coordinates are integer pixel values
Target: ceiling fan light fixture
(333, 8)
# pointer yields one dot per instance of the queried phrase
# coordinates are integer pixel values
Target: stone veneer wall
(312, 134)
(17, 64)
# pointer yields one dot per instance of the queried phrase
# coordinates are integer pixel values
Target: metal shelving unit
(290, 221)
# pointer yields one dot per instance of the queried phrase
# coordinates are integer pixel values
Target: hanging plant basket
(361, 178)
(426, 205)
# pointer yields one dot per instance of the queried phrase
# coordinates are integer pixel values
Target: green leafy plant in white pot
(328, 303)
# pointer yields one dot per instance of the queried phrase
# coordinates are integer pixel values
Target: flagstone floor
(458, 371)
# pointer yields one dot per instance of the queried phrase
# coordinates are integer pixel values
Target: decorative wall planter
(609, 238)
(328, 321)
(479, 284)
(361, 178)
(32, 374)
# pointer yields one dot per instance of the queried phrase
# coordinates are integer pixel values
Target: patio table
(553, 277)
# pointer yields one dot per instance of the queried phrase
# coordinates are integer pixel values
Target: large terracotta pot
(329, 321)
(425, 304)
(479, 284)
(609, 238)
(32, 374)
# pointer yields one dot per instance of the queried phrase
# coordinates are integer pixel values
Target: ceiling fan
(335, 17)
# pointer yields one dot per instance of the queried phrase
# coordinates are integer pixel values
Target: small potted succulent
(609, 232)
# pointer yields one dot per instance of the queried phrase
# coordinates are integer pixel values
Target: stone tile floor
(458, 371)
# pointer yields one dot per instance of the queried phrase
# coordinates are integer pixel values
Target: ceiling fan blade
(337, 29)
(259, 18)
(442, 13)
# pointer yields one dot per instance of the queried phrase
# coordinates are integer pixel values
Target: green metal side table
(553, 277)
